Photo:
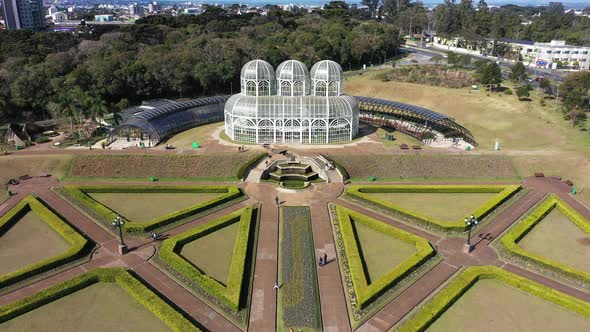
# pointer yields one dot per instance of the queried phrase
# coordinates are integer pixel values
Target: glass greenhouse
(291, 105)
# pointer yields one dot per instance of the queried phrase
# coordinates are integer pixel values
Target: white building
(103, 18)
(136, 10)
(292, 106)
(52, 10)
(557, 54)
(59, 17)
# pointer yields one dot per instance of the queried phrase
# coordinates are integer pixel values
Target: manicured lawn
(298, 305)
(212, 253)
(442, 206)
(96, 308)
(200, 134)
(28, 241)
(400, 138)
(380, 252)
(13, 166)
(142, 207)
(491, 305)
(559, 239)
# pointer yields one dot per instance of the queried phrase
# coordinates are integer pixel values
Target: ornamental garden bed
(377, 261)
(554, 238)
(99, 300)
(439, 208)
(486, 298)
(223, 276)
(298, 306)
(149, 208)
(34, 241)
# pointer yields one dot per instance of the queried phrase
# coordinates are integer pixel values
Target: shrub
(249, 164)
(174, 319)
(508, 91)
(449, 295)
(511, 239)
(364, 292)
(229, 294)
(503, 194)
(42, 139)
(105, 215)
(77, 248)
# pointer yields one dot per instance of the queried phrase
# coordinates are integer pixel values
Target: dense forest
(45, 74)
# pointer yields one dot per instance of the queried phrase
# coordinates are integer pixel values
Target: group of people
(169, 147)
(241, 148)
(324, 259)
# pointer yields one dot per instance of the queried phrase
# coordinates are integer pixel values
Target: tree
(575, 96)
(545, 85)
(490, 74)
(373, 6)
(518, 72)
(522, 92)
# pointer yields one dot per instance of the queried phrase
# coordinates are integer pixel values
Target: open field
(298, 306)
(534, 137)
(142, 207)
(400, 138)
(569, 244)
(199, 134)
(380, 252)
(161, 166)
(213, 252)
(429, 166)
(29, 241)
(96, 308)
(437, 205)
(491, 305)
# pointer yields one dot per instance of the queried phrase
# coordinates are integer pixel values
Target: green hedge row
(106, 215)
(77, 248)
(511, 239)
(246, 166)
(230, 293)
(364, 292)
(504, 192)
(174, 319)
(449, 295)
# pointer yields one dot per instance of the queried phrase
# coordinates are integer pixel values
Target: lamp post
(469, 223)
(119, 222)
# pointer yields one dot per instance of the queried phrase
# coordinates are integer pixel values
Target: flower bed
(78, 244)
(361, 192)
(78, 195)
(298, 303)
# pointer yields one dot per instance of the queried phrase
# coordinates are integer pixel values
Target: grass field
(442, 206)
(213, 252)
(96, 308)
(380, 252)
(491, 305)
(199, 134)
(298, 305)
(400, 138)
(568, 243)
(143, 207)
(28, 241)
(534, 137)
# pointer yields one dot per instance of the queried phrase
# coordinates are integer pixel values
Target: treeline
(84, 76)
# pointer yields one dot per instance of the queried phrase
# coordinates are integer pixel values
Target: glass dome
(292, 78)
(257, 78)
(327, 78)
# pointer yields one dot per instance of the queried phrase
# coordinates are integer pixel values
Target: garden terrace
(413, 120)
(555, 222)
(222, 277)
(519, 304)
(99, 300)
(298, 302)
(408, 201)
(101, 202)
(34, 240)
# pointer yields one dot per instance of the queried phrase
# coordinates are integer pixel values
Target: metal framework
(157, 121)
(416, 121)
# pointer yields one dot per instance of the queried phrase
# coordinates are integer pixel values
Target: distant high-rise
(24, 14)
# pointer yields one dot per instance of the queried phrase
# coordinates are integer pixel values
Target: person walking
(321, 261)
(277, 200)
(325, 258)
(276, 287)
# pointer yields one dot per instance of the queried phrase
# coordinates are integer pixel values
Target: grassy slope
(199, 134)
(535, 137)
